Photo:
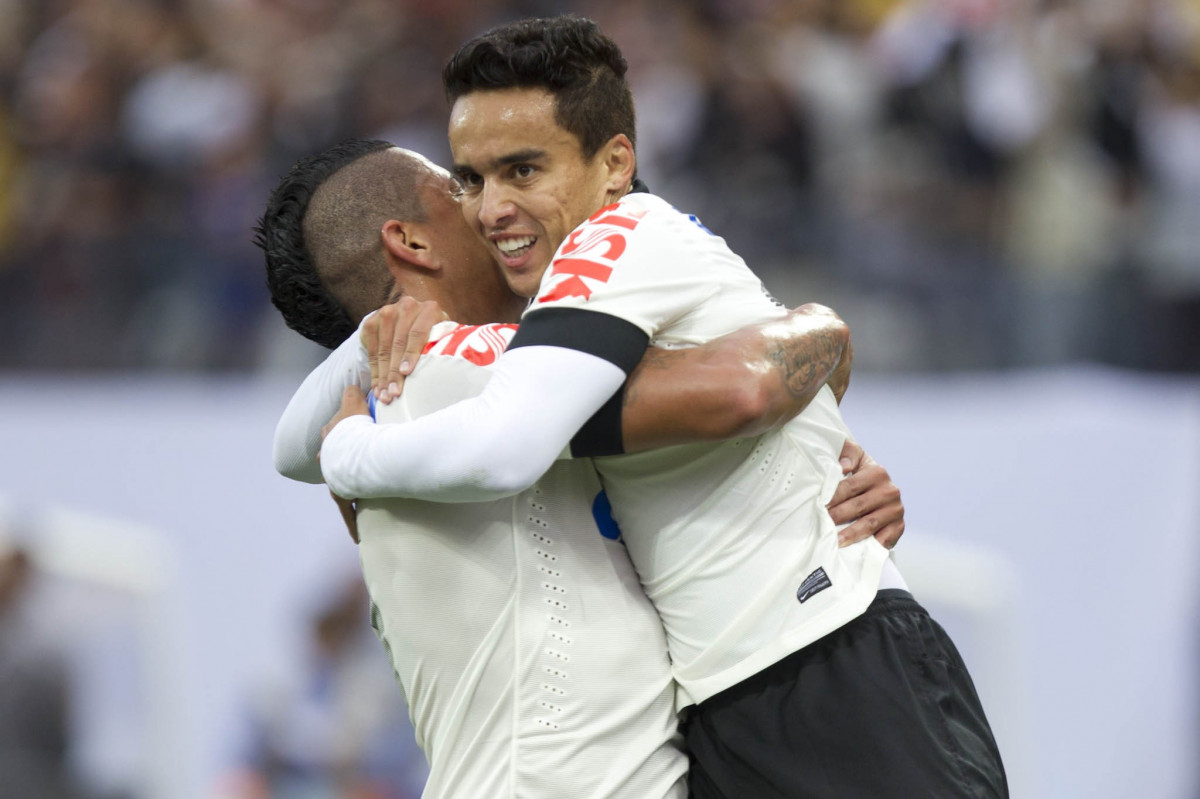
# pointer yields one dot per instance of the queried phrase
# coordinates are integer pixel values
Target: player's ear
(620, 163)
(408, 243)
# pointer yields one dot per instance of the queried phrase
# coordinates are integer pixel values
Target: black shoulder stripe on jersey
(617, 341)
(609, 337)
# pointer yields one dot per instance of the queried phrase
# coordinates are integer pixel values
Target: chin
(524, 285)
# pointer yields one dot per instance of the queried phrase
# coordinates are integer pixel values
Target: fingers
(852, 457)
(890, 534)
(379, 328)
(409, 338)
(869, 503)
(885, 523)
(864, 473)
(392, 340)
(864, 492)
(369, 336)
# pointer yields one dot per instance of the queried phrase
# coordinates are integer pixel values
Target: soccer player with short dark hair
(533, 664)
(806, 667)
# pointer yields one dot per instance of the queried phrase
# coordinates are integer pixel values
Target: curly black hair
(566, 55)
(296, 288)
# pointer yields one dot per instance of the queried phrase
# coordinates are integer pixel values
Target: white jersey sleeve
(298, 434)
(642, 261)
(486, 447)
(593, 269)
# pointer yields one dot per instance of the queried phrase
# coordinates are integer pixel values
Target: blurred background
(1002, 198)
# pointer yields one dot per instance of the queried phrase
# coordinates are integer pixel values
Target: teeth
(509, 246)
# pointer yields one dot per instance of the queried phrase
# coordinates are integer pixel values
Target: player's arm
(748, 381)
(738, 385)
(560, 368)
(298, 433)
(493, 445)
(371, 357)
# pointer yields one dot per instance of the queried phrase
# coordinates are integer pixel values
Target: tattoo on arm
(805, 364)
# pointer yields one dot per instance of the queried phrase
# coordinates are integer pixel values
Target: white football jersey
(732, 540)
(532, 662)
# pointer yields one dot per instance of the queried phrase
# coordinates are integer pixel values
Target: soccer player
(533, 663)
(806, 667)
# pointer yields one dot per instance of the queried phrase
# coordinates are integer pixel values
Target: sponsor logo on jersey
(586, 257)
(813, 584)
(479, 344)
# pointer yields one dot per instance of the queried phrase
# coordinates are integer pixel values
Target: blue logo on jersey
(602, 512)
(700, 224)
(371, 404)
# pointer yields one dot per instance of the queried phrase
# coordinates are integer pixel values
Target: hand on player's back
(394, 337)
(353, 404)
(868, 498)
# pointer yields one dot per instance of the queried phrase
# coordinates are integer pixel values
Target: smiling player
(788, 648)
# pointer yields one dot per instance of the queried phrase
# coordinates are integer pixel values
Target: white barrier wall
(1053, 521)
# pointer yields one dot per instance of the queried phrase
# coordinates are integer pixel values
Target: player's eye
(523, 171)
(467, 183)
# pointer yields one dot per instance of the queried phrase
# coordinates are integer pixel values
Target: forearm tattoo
(804, 364)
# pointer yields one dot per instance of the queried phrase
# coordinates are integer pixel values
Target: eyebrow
(519, 157)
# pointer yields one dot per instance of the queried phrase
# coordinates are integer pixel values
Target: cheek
(470, 211)
(564, 206)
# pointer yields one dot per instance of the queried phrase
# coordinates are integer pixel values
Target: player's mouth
(514, 250)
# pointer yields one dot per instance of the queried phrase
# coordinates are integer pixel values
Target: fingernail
(393, 389)
(846, 464)
(842, 541)
(405, 367)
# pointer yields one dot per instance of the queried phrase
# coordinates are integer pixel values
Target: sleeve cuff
(602, 434)
(616, 340)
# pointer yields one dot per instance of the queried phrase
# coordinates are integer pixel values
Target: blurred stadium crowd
(973, 183)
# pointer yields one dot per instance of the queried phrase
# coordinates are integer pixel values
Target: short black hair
(566, 55)
(296, 288)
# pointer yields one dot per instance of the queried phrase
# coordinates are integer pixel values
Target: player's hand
(394, 337)
(349, 514)
(868, 498)
(353, 404)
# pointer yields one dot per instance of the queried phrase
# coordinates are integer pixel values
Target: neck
(618, 194)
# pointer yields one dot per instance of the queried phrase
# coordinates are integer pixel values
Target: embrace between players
(626, 547)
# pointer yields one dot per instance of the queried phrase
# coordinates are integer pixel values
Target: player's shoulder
(634, 210)
(638, 220)
(477, 344)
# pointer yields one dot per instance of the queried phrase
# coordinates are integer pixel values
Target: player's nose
(496, 206)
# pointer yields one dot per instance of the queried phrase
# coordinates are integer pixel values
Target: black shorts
(882, 707)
